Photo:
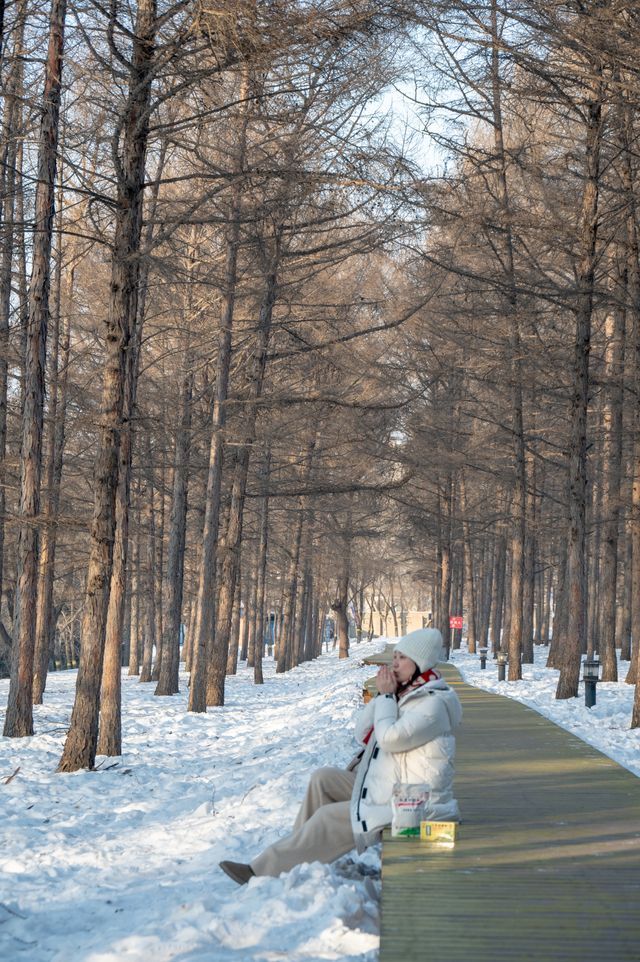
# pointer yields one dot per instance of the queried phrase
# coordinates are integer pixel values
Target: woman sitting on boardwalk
(408, 736)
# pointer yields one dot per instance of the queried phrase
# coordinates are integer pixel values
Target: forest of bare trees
(308, 309)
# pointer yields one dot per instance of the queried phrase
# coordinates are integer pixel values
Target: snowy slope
(122, 863)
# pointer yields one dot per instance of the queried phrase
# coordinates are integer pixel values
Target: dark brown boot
(238, 871)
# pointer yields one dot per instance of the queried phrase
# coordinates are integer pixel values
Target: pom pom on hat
(423, 646)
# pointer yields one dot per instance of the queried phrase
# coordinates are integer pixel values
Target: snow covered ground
(120, 864)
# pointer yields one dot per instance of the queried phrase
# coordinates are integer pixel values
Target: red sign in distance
(455, 621)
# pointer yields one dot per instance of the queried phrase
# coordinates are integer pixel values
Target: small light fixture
(591, 678)
(483, 657)
(502, 659)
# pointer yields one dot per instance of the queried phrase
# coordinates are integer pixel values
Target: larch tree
(19, 718)
(129, 148)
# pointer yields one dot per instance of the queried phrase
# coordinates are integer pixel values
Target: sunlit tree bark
(576, 590)
(80, 746)
(19, 718)
(203, 648)
(58, 384)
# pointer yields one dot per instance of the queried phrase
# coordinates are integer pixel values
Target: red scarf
(431, 674)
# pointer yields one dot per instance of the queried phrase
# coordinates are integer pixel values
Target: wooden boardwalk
(547, 864)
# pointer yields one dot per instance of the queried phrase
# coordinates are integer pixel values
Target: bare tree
(19, 718)
(203, 643)
(130, 145)
(576, 639)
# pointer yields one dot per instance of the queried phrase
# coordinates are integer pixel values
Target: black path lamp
(483, 657)
(591, 678)
(502, 664)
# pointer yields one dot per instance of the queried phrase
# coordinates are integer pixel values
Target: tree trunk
(19, 717)
(339, 605)
(277, 627)
(188, 637)
(445, 570)
(285, 655)
(592, 547)
(158, 571)
(633, 674)
(469, 588)
(21, 258)
(488, 577)
(230, 557)
(623, 610)
(174, 585)
(204, 651)
(529, 580)
(612, 468)
(110, 720)
(81, 743)
(635, 714)
(497, 600)
(575, 640)
(633, 293)
(245, 628)
(514, 639)
(57, 413)
(561, 609)
(135, 593)
(538, 603)
(547, 592)
(11, 124)
(252, 633)
(301, 610)
(304, 621)
(149, 577)
(308, 653)
(234, 635)
(392, 608)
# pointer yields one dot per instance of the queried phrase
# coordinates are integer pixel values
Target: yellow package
(440, 833)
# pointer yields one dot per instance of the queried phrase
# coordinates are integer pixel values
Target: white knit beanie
(424, 646)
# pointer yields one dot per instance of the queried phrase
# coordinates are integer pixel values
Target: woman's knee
(321, 775)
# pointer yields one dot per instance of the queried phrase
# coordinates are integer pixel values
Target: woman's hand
(386, 681)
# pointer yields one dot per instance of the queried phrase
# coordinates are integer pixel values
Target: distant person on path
(408, 736)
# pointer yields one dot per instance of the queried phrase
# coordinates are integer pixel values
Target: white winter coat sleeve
(364, 721)
(425, 720)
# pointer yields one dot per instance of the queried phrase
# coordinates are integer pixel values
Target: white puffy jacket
(412, 742)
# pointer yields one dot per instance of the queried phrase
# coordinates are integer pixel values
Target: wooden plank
(547, 863)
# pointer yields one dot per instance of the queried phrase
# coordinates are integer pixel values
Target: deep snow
(121, 863)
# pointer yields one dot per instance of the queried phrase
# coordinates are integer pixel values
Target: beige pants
(322, 831)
